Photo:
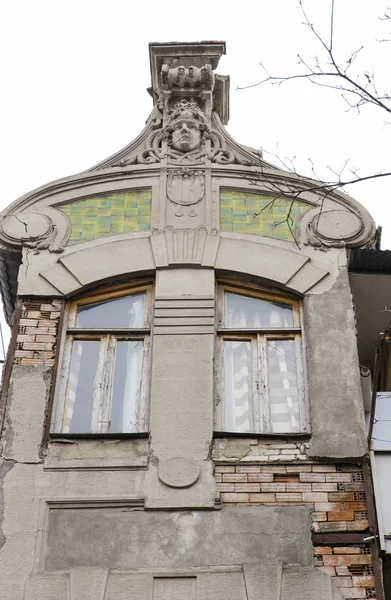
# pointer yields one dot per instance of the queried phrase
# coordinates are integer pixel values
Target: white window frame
(103, 389)
(260, 408)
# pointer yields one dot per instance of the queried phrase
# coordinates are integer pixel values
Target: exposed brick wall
(37, 333)
(335, 495)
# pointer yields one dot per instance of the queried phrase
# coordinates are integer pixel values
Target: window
(260, 372)
(102, 387)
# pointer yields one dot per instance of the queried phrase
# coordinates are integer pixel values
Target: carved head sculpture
(186, 127)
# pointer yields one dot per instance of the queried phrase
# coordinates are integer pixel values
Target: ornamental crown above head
(187, 110)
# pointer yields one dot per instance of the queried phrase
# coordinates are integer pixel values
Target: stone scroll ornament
(186, 135)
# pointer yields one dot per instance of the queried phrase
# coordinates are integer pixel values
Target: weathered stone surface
(152, 540)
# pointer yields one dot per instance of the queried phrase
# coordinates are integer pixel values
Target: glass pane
(282, 386)
(252, 313)
(126, 312)
(125, 413)
(80, 389)
(238, 386)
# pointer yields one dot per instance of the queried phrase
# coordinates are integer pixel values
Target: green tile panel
(259, 214)
(101, 216)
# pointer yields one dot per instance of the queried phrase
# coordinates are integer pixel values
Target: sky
(74, 76)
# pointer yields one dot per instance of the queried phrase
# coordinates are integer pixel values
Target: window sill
(103, 452)
(263, 436)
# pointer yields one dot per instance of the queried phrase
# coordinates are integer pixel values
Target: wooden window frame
(260, 406)
(103, 393)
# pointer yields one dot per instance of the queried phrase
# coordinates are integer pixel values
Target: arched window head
(260, 386)
(102, 386)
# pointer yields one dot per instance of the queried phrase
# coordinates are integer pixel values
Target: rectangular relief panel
(174, 588)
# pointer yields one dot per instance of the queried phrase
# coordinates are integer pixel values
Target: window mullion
(99, 386)
(107, 384)
(303, 426)
(263, 385)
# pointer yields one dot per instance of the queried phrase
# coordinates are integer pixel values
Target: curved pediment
(183, 177)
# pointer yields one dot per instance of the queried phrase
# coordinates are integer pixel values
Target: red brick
(359, 506)
(247, 468)
(235, 477)
(341, 497)
(342, 515)
(347, 550)
(357, 525)
(323, 550)
(262, 498)
(347, 559)
(31, 361)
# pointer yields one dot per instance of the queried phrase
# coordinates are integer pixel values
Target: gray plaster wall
(337, 413)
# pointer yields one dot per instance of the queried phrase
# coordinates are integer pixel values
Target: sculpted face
(186, 135)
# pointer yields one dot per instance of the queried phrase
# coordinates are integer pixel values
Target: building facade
(181, 409)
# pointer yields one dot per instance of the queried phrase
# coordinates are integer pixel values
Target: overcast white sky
(74, 76)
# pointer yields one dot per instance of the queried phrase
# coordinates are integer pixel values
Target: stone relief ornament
(187, 138)
(185, 187)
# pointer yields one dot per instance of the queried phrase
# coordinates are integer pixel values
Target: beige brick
(339, 477)
(342, 582)
(328, 570)
(224, 469)
(319, 516)
(218, 477)
(49, 346)
(313, 477)
(256, 477)
(364, 581)
(324, 487)
(28, 322)
(291, 451)
(22, 337)
(45, 338)
(298, 468)
(33, 346)
(342, 571)
(333, 526)
(45, 323)
(234, 497)
(327, 506)
(262, 498)
(281, 497)
(55, 315)
(247, 468)
(273, 469)
(298, 487)
(37, 330)
(235, 477)
(353, 592)
(273, 487)
(33, 314)
(314, 497)
(324, 468)
(246, 487)
(24, 354)
(226, 487)
(31, 361)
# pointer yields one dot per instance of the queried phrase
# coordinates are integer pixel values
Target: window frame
(258, 337)
(108, 337)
